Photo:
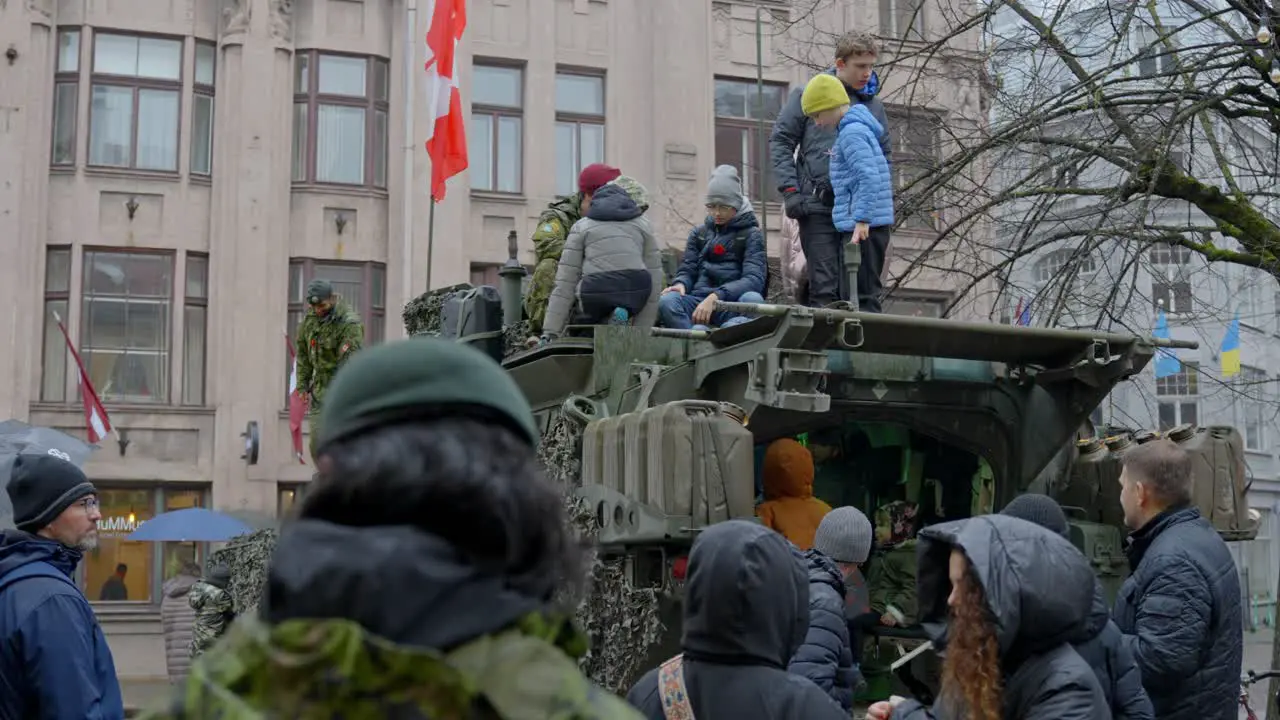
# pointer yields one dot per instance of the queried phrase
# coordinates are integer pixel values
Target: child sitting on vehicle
(724, 260)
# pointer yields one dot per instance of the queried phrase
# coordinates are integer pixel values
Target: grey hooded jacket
(1040, 591)
(611, 254)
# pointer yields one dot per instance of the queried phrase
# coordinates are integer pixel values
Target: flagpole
(431, 238)
(410, 104)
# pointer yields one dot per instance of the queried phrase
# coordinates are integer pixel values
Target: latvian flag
(297, 405)
(97, 423)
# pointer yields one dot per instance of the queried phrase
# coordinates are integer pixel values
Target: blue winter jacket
(860, 174)
(826, 657)
(54, 659)
(727, 260)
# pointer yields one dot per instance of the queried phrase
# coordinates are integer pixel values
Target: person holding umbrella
(54, 659)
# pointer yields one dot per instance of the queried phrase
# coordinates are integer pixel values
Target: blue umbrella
(190, 525)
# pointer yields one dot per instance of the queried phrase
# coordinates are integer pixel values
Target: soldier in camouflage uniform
(420, 576)
(327, 336)
(552, 231)
(213, 606)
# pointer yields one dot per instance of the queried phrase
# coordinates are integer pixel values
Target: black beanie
(41, 487)
(1041, 510)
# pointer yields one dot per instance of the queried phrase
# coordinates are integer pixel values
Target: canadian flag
(297, 405)
(447, 145)
(97, 423)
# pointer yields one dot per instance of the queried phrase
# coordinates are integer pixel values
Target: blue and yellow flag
(1230, 351)
(1167, 364)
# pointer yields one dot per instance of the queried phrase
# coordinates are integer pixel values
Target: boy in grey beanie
(724, 260)
(842, 543)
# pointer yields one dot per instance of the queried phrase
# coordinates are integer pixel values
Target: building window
(1054, 264)
(1252, 384)
(1259, 564)
(195, 319)
(202, 109)
(288, 495)
(902, 19)
(135, 103)
(496, 136)
(1185, 384)
(579, 127)
(915, 155)
(120, 570)
(340, 119)
(738, 140)
(1171, 296)
(125, 321)
(1147, 52)
(362, 286)
(57, 294)
(66, 94)
(1166, 254)
(915, 304)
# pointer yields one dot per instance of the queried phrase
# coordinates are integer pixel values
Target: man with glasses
(800, 150)
(54, 659)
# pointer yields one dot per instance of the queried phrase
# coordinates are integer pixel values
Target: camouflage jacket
(323, 344)
(321, 669)
(548, 243)
(214, 609)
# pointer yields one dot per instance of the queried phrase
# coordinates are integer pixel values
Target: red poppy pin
(718, 249)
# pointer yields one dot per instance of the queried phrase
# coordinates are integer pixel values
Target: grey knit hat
(1041, 510)
(725, 188)
(844, 535)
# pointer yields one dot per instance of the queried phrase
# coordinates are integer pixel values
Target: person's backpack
(672, 690)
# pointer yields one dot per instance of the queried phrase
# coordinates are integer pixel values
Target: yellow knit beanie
(823, 92)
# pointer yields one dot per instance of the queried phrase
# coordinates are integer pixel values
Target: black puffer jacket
(1102, 646)
(826, 657)
(1040, 589)
(746, 610)
(1180, 615)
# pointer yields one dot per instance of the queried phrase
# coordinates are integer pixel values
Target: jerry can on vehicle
(665, 472)
(1218, 477)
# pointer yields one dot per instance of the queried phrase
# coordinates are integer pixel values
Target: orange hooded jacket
(789, 506)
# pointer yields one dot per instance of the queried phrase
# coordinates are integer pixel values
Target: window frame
(172, 300)
(189, 301)
(1176, 291)
(1255, 402)
(901, 118)
(1179, 392)
(496, 112)
(922, 298)
(158, 503)
(202, 90)
(1162, 254)
(579, 119)
(299, 490)
(136, 85)
(760, 173)
(63, 78)
(52, 336)
(890, 12)
(370, 103)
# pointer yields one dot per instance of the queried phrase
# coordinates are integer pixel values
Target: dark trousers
(824, 248)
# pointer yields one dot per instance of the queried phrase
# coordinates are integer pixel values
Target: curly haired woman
(1016, 595)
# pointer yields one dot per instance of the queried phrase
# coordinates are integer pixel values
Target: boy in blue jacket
(860, 177)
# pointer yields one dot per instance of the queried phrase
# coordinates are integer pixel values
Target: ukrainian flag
(1230, 352)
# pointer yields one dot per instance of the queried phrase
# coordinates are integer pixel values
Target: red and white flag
(447, 145)
(96, 422)
(297, 404)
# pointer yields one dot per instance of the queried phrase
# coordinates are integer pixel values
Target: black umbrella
(18, 438)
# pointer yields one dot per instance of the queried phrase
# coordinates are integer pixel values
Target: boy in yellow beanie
(860, 177)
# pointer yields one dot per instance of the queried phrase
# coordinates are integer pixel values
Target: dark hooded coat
(746, 610)
(826, 656)
(1102, 646)
(1040, 590)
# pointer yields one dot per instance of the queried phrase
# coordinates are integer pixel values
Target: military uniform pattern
(322, 669)
(214, 609)
(323, 344)
(548, 243)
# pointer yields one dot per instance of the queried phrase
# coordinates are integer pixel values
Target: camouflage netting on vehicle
(422, 316)
(621, 620)
(248, 557)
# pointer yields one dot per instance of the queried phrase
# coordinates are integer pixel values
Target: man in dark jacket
(54, 659)
(801, 154)
(724, 259)
(1100, 642)
(1180, 608)
(746, 610)
(841, 544)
